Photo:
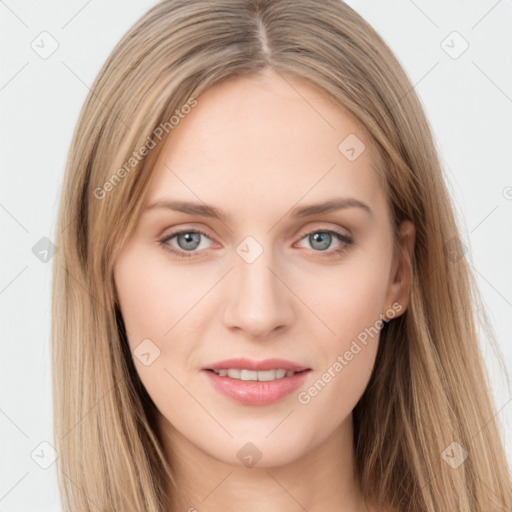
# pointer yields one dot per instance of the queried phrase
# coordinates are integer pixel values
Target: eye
(187, 241)
(321, 239)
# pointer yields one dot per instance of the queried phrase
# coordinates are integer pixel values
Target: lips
(256, 392)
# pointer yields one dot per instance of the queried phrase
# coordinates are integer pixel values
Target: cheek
(154, 301)
(348, 356)
(154, 296)
(349, 300)
(163, 315)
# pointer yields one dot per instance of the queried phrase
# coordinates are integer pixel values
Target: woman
(261, 299)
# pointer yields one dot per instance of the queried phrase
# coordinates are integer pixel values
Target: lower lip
(252, 392)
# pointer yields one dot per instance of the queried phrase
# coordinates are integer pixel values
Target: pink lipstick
(256, 382)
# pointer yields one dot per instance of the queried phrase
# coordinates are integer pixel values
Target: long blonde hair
(429, 388)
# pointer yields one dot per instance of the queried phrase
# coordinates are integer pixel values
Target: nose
(258, 300)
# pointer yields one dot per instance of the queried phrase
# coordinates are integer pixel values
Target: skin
(256, 148)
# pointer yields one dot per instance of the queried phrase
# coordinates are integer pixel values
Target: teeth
(234, 374)
(266, 375)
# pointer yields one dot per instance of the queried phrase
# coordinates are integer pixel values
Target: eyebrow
(206, 210)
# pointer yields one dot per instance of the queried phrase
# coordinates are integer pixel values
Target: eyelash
(184, 254)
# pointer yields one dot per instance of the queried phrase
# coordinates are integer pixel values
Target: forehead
(263, 141)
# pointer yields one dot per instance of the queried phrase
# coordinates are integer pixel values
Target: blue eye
(189, 242)
(321, 240)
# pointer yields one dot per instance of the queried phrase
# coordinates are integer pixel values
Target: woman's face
(270, 275)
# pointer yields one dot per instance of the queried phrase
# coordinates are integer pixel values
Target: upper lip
(250, 364)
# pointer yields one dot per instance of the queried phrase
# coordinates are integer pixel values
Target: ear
(397, 298)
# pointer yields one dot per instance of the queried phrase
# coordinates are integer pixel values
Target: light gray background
(468, 100)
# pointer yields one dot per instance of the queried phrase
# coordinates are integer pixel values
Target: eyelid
(325, 229)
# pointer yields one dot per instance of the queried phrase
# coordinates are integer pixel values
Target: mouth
(256, 383)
